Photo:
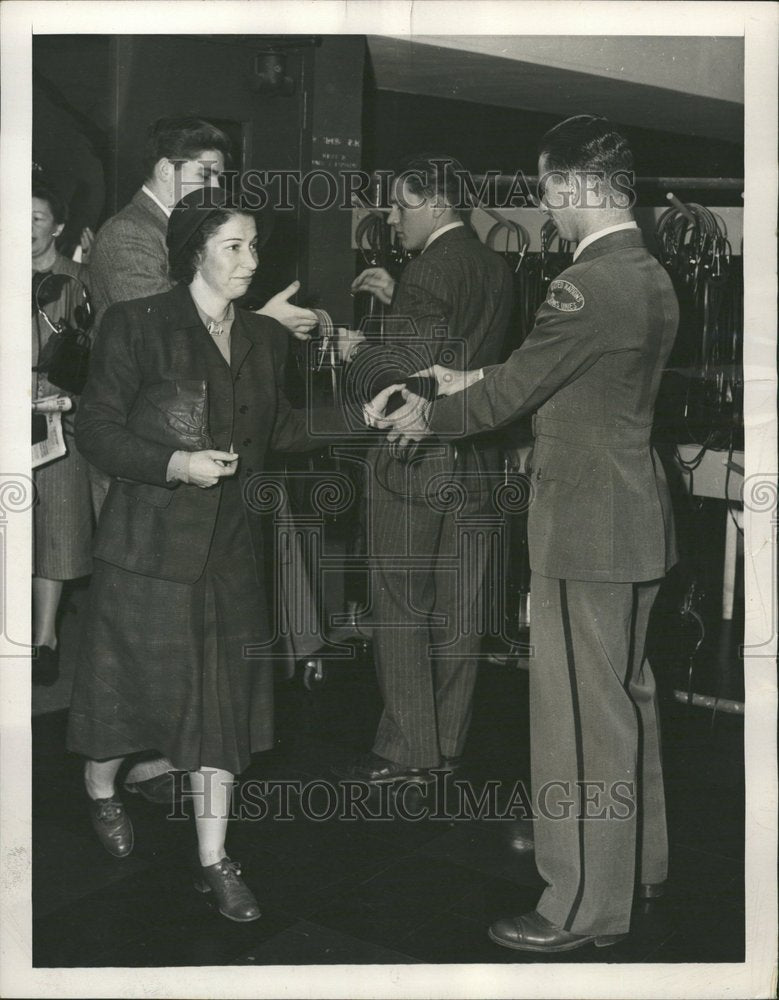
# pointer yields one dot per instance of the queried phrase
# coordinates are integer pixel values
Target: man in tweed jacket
(453, 301)
(601, 538)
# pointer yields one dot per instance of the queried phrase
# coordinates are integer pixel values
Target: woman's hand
(206, 468)
(376, 281)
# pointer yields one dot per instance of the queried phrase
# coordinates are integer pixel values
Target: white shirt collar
(150, 194)
(440, 232)
(603, 232)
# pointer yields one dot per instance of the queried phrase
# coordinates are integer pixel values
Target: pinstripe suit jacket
(591, 368)
(452, 305)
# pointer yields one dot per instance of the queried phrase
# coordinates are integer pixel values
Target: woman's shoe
(45, 665)
(112, 826)
(233, 897)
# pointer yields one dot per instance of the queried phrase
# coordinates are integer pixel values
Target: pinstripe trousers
(427, 577)
(595, 752)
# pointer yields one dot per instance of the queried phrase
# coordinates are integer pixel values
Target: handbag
(174, 413)
(64, 358)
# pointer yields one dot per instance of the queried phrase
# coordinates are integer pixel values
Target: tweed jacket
(590, 368)
(130, 258)
(149, 525)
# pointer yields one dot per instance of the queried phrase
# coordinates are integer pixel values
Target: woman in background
(62, 516)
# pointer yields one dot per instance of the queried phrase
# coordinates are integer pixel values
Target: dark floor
(377, 890)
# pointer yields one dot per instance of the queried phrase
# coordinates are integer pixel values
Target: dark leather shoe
(163, 789)
(532, 932)
(112, 826)
(376, 770)
(233, 897)
(651, 890)
(45, 666)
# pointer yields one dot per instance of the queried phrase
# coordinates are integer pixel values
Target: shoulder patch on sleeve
(565, 296)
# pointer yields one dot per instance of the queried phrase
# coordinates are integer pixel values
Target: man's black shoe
(376, 770)
(532, 932)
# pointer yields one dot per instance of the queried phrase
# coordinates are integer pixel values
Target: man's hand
(376, 281)
(347, 341)
(410, 422)
(206, 468)
(450, 380)
(86, 243)
(300, 322)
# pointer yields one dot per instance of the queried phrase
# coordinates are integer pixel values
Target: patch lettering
(565, 296)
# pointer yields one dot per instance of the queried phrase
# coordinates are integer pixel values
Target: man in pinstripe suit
(601, 538)
(452, 301)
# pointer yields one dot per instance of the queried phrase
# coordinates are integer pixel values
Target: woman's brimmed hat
(195, 208)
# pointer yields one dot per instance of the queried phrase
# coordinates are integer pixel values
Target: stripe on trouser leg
(577, 727)
(631, 666)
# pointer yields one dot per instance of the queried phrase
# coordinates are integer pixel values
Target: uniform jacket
(148, 525)
(451, 305)
(130, 259)
(591, 368)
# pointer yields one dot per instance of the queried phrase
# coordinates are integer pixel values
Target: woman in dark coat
(177, 588)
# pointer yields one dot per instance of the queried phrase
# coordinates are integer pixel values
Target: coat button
(246, 442)
(243, 409)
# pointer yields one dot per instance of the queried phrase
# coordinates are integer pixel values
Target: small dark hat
(195, 208)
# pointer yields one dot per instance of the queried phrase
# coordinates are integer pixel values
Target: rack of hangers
(708, 355)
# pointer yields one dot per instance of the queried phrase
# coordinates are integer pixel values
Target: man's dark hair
(586, 143)
(45, 191)
(184, 261)
(182, 139)
(436, 174)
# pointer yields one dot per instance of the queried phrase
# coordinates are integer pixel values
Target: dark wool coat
(148, 525)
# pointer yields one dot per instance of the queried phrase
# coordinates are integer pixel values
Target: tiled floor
(382, 890)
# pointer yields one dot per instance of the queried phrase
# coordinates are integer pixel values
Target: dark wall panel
(505, 139)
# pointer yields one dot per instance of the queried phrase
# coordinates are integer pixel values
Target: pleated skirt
(163, 666)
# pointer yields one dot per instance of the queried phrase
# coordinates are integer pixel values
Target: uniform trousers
(427, 563)
(595, 752)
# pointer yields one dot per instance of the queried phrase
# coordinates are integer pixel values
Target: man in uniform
(601, 538)
(452, 301)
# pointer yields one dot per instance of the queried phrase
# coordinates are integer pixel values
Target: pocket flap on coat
(157, 496)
